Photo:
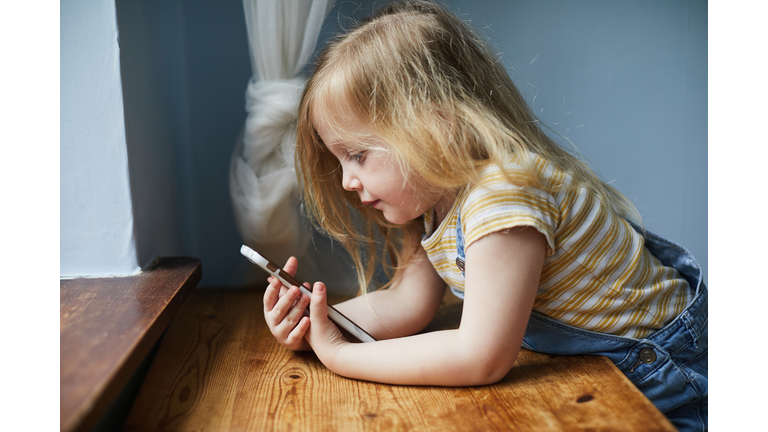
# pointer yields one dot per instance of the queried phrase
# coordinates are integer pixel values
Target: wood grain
(219, 369)
(107, 327)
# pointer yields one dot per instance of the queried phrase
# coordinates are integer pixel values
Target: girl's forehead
(339, 126)
(326, 131)
(332, 111)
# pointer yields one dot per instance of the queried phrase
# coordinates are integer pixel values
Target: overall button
(647, 356)
(460, 264)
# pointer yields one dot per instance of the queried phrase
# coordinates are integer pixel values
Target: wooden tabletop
(219, 369)
(107, 327)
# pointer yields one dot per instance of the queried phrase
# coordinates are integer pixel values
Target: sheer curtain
(282, 35)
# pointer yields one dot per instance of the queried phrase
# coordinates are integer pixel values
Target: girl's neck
(443, 206)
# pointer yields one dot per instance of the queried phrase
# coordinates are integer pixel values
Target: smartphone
(289, 281)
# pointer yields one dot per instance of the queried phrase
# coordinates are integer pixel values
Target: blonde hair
(417, 77)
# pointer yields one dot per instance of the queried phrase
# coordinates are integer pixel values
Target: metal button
(647, 355)
(460, 264)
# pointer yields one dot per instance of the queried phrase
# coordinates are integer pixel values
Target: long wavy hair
(422, 81)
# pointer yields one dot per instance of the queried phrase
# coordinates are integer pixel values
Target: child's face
(376, 178)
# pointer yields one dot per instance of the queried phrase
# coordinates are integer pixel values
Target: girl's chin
(398, 219)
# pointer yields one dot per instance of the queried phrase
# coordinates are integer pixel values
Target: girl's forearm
(444, 358)
(403, 309)
(385, 315)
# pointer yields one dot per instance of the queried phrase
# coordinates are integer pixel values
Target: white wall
(96, 218)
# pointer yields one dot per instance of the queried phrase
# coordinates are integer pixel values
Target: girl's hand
(323, 335)
(284, 311)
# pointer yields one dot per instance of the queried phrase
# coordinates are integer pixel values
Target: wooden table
(107, 327)
(219, 369)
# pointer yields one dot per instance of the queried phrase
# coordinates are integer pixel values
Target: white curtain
(282, 35)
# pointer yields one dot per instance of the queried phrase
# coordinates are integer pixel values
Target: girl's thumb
(319, 304)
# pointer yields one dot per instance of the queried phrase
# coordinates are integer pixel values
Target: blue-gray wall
(625, 81)
(185, 67)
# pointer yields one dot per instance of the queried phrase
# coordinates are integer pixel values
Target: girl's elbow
(492, 375)
(491, 370)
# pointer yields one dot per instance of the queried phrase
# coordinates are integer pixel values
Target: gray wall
(625, 81)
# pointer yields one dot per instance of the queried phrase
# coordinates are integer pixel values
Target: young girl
(416, 152)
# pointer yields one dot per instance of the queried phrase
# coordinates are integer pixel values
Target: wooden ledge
(108, 326)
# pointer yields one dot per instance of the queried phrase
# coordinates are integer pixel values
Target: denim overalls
(668, 366)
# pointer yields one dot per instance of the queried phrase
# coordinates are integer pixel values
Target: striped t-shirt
(597, 274)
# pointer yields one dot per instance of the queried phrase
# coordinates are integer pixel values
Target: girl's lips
(372, 203)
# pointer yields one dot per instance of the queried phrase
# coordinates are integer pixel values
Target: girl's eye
(357, 157)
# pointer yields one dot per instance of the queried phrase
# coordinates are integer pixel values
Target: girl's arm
(502, 276)
(405, 308)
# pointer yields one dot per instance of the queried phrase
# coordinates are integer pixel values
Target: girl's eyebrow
(337, 148)
(342, 145)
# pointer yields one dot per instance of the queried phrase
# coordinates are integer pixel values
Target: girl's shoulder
(533, 172)
(506, 197)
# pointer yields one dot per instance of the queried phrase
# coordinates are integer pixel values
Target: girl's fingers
(294, 315)
(296, 337)
(322, 332)
(318, 309)
(282, 307)
(291, 266)
(281, 289)
(272, 294)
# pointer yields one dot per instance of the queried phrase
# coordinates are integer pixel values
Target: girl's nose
(350, 182)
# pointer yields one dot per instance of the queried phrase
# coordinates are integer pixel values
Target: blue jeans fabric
(676, 379)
